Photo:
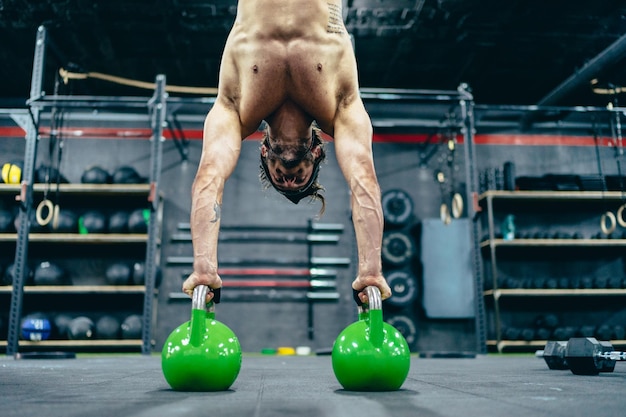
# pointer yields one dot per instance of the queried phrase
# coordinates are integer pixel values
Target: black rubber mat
(271, 386)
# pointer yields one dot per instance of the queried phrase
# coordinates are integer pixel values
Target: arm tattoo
(218, 213)
(335, 20)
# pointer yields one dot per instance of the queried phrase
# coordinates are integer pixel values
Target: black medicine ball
(118, 274)
(67, 222)
(138, 221)
(92, 221)
(118, 222)
(50, 174)
(61, 325)
(138, 276)
(48, 273)
(132, 327)
(108, 327)
(127, 175)
(95, 175)
(81, 328)
(6, 222)
(9, 275)
(35, 227)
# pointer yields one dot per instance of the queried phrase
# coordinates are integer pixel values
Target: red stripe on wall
(408, 138)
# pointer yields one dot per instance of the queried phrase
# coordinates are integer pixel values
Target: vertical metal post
(310, 325)
(158, 106)
(467, 112)
(26, 196)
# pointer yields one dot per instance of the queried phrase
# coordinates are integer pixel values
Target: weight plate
(398, 248)
(397, 207)
(406, 325)
(403, 289)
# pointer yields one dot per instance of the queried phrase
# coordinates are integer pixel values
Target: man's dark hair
(312, 188)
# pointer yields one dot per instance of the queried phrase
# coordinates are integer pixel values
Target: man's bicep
(353, 144)
(221, 142)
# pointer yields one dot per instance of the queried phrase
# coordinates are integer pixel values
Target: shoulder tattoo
(335, 19)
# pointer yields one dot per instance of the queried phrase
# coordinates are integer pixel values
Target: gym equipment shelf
(92, 344)
(557, 237)
(552, 243)
(556, 292)
(80, 289)
(84, 248)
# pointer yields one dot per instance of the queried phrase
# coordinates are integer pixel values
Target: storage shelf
(78, 238)
(552, 195)
(529, 243)
(79, 289)
(115, 189)
(554, 293)
(560, 210)
(99, 343)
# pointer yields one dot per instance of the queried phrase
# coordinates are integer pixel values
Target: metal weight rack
(38, 102)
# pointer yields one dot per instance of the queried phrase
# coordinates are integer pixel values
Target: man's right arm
(220, 151)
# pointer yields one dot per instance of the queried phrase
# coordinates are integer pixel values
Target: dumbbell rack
(38, 103)
(578, 212)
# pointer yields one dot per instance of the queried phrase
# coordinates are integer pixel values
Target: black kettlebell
(92, 221)
(118, 274)
(95, 175)
(118, 222)
(49, 273)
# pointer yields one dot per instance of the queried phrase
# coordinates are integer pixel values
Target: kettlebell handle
(375, 301)
(198, 299)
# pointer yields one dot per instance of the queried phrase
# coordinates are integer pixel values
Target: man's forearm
(367, 217)
(205, 223)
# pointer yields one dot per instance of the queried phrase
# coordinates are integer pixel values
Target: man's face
(289, 170)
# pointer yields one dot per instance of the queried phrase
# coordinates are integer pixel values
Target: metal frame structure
(37, 102)
(460, 100)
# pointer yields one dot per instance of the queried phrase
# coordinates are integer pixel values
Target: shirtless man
(291, 64)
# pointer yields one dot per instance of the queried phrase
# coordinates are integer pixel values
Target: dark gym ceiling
(507, 51)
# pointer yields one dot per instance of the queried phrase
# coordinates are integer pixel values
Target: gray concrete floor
(133, 385)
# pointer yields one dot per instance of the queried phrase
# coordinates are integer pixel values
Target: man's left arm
(353, 148)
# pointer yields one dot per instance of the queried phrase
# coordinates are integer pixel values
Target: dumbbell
(582, 355)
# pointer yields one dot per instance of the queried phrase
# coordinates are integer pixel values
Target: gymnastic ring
(607, 230)
(457, 205)
(444, 213)
(38, 214)
(55, 217)
(620, 215)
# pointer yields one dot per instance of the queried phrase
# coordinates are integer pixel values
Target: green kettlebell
(201, 354)
(371, 355)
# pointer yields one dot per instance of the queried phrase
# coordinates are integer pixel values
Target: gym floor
(273, 386)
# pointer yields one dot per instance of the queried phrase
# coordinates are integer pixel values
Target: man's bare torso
(288, 60)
